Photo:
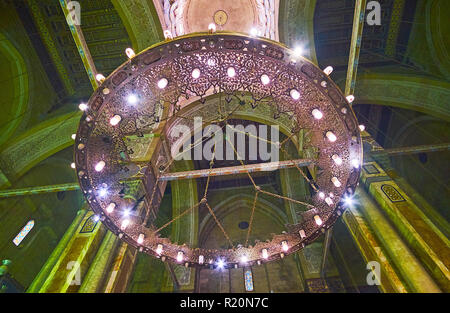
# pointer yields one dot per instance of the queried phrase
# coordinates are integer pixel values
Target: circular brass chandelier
(146, 94)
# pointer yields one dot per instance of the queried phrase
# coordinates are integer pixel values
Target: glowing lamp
(180, 256)
(336, 181)
(83, 106)
(295, 94)
(125, 224)
(331, 136)
(130, 53)
(318, 220)
(337, 159)
(265, 79)
(99, 166)
(212, 28)
(195, 73)
(317, 114)
(110, 208)
(162, 83)
(328, 70)
(115, 120)
(100, 78)
(231, 72)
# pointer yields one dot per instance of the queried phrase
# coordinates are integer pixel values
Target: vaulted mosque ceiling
(321, 28)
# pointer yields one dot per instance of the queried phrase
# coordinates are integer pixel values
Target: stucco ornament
(266, 18)
(174, 16)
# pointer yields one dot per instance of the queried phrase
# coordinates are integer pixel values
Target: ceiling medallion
(220, 17)
(144, 97)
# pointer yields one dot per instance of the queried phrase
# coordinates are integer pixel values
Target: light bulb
(295, 94)
(110, 207)
(253, 32)
(103, 192)
(231, 72)
(132, 99)
(317, 114)
(362, 128)
(350, 98)
(284, 245)
(321, 195)
(244, 259)
(72, 165)
(140, 239)
(298, 52)
(180, 256)
(100, 78)
(331, 137)
(74, 136)
(337, 159)
(162, 83)
(201, 259)
(159, 249)
(336, 182)
(167, 34)
(130, 53)
(115, 120)
(96, 218)
(265, 255)
(83, 106)
(220, 264)
(328, 70)
(212, 27)
(265, 79)
(318, 220)
(196, 73)
(355, 163)
(328, 201)
(99, 166)
(125, 223)
(348, 201)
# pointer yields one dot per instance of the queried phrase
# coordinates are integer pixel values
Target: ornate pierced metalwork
(170, 64)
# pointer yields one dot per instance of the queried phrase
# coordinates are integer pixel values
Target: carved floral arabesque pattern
(26, 152)
(141, 20)
(213, 54)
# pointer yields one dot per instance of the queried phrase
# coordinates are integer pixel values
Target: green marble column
(407, 265)
(67, 272)
(422, 236)
(96, 275)
(185, 229)
(46, 269)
